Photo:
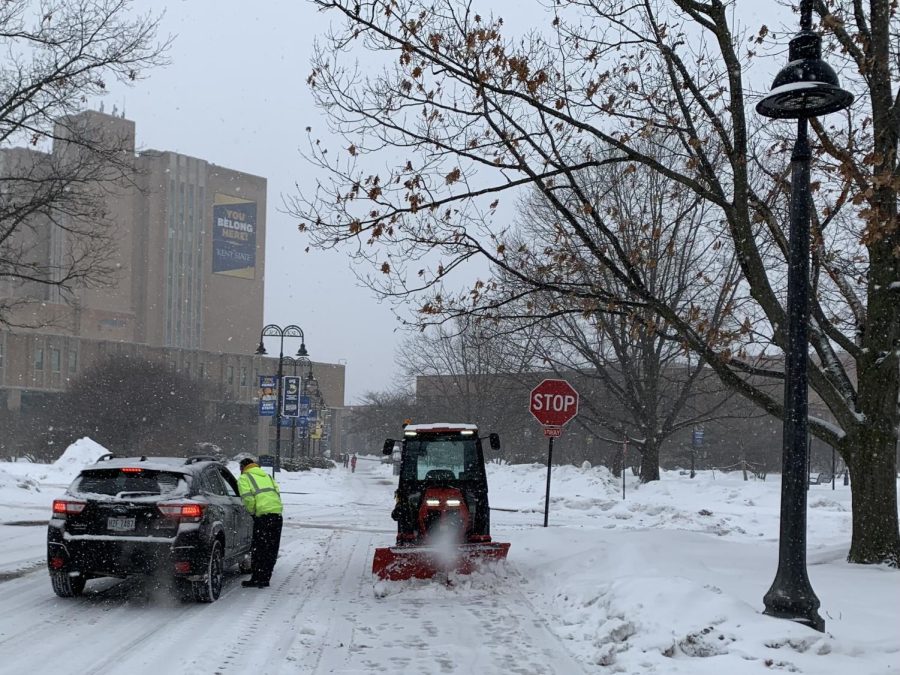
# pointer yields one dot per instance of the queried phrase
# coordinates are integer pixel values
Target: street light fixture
(291, 331)
(804, 88)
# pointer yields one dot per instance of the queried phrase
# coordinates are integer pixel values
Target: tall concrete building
(190, 254)
(188, 271)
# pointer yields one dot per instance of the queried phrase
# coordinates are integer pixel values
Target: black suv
(175, 518)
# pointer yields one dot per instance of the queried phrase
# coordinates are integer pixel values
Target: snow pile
(78, 455)
(7, 480)
(82, 452)
(33, 477)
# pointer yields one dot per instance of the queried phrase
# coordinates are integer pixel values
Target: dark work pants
(266, 540)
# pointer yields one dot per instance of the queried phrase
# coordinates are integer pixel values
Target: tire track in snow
(340, 596)
(288, 597)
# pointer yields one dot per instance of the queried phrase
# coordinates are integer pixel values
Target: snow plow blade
(398, 563)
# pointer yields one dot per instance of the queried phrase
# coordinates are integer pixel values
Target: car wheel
(65, 586)
(210, 588)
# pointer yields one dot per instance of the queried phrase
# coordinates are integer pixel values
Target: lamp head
(806, 86)
(261, 349)
(302, 351)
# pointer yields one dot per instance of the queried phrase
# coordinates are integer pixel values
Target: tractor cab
(442, 496)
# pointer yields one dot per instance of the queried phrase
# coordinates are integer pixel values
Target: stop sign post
(553, 403)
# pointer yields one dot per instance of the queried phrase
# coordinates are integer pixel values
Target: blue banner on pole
(290, 396)
(303, 405)
(697, 438)
(267, 397)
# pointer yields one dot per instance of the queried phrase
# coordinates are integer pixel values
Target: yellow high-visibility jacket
(259, 491)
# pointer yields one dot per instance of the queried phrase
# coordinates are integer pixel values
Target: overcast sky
(236, 95)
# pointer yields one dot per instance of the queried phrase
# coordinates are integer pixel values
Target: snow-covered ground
(668, 580)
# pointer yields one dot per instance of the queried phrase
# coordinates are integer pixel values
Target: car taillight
(187, 512)
(64, 507)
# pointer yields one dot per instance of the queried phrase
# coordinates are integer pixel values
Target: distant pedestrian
(261, 497)
(346, 459)
(353, 463)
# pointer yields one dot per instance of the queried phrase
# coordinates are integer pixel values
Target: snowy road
(322, 614)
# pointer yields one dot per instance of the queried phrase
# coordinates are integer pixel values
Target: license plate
(120, 524)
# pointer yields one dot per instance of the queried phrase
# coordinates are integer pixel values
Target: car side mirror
(388, 446)
(494, 441)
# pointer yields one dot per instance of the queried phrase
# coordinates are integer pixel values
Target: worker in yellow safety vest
(261, 497)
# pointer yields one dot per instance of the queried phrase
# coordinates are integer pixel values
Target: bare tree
(645, 380)
(58, 54)
(472, 372)
(480, 115)
(380, 416)
(133, 406)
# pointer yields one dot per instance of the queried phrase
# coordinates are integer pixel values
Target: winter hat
(247, 461)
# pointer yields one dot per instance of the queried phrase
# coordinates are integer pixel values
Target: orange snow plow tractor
(442, 511)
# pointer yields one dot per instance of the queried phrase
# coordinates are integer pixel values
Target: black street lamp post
(806, 87)
(312, 390)
(291, 331)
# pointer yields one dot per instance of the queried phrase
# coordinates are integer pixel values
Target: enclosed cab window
(450, 457)
(113, 482)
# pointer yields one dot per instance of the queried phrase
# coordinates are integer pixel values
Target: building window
(73, 362)
(38, 359)
(229, 375)
(243, 377)
(202, 370)
(55, 360)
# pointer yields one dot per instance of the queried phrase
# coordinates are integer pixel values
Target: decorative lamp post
(294, 363)
(312, 390)
(291, 331)
(806, 87)
(299, 361)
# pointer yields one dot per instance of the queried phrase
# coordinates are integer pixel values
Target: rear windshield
(448, 457)
(119, 483)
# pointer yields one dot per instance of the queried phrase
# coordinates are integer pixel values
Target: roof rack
(105, 458)
(201, 458)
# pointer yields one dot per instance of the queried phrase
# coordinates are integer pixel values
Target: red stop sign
(553, 402)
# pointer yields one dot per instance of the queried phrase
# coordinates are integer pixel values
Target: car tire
(66, 586)
(209, 589)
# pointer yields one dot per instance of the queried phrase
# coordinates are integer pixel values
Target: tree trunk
(873, 470)
(649, 462)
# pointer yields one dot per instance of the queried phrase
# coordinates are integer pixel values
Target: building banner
(234, 237)
(267, 397)
(290, 396)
